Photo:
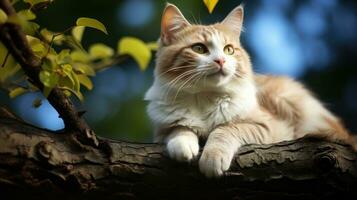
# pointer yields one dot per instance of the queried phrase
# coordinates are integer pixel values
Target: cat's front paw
(215, 161)
(183, 148)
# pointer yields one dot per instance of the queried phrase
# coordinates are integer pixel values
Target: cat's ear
(172, 21)
(234, 19)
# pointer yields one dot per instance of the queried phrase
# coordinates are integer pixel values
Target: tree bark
(40, 164)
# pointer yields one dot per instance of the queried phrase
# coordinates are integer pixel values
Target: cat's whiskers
(172, 69)
(177, 79)
(184, 83)
(205, 80)
(169, 86)
(190, 80)
(194, 80)
(237, 76)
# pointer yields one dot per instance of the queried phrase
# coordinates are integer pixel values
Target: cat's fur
(191, 98)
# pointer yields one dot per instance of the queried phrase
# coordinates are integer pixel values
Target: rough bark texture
(40, 164)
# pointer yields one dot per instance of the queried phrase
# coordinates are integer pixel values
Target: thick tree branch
(15, 41)
(39, 164)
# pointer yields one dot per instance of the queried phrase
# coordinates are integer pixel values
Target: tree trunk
(40, 164)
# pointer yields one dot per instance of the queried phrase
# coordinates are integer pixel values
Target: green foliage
(3, 16)
(34, 2)
(100, 51)
(135, 48)
(93, 23)
(16, 92)
(8, 64)
(65, 63)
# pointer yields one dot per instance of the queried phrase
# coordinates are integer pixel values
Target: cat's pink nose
(220, 61)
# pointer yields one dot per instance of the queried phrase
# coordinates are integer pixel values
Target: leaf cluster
(65, 64)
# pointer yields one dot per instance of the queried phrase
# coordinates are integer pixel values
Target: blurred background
(314, 41)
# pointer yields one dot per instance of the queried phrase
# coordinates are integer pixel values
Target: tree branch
(106, 64)
(15, 41)
(40, 164)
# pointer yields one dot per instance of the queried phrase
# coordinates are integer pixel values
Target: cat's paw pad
(183, 148)
(214, 162)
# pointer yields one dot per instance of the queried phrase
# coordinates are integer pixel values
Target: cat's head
(201, 57)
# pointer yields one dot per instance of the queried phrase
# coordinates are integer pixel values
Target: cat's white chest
(205, 113)
(221, 111)
(200, 112)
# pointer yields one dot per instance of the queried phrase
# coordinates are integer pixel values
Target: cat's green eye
(229, 50)
(199, 48)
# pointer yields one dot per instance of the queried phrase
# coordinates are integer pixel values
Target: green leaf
(210, 4)
(66, 82)
(77, 85)
(63, 57)
(82, 68)
(8, 65)
(84, 80)
(49, 63)
(78, 94)
(137, 49)
(66, 68)
(3, 16)
(34, 2)
(33, 26)
(37, 103)
(100, 51)
(58, 39)
(92, 23)
(46, 91)
(27, 27)
(67, 71)
(48, 79)
(16, 92)
(67, 93)
(10, 69)
(27, 14)
(13, 2)
(80, 56)
(37, 46)
(72, 42)
(70, 82)
(77, 32)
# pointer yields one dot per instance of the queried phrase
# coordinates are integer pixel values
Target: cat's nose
(220, 61)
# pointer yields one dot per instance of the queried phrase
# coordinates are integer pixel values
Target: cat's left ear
(172, 22)
(234, 19)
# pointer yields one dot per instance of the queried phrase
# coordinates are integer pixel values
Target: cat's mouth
(219, 72)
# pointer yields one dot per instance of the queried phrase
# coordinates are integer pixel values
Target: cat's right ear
(234, 20)
(172, 21)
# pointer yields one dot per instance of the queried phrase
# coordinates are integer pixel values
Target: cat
(204, 88)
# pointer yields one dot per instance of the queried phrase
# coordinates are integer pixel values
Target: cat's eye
(199, 48)
(229, 50)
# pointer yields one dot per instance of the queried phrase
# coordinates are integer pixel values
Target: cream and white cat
(205, 88)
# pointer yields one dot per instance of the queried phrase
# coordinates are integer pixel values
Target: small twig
(7, 55)
(63, 32)
(108, 63)
(40, 6)
(50, 45)
(54, 36)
